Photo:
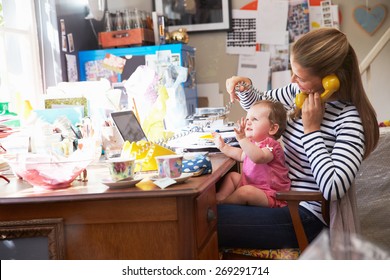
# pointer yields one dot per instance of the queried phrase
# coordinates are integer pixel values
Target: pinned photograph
(64, 43)
(326, 12)
(114, 63)
(70, 42)
(62, 25)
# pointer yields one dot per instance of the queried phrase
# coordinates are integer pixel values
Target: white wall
(114, 5)
(378, 88)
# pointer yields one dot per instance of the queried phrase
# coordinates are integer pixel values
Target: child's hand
(240, 130)
(218, 141)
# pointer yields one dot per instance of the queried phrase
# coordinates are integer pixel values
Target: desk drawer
(206, 215)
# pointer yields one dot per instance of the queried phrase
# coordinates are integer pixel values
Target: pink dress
(270, 177)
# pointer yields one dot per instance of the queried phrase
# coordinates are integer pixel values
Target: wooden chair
(371, 185)
(293, 199)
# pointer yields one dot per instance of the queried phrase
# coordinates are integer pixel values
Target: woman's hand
(312, 113)
(231, 85)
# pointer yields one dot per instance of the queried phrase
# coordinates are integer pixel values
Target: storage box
(131, 37)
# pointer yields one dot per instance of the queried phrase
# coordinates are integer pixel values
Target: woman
(324, 142)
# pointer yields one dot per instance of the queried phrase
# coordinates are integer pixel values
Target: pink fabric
(271, 177)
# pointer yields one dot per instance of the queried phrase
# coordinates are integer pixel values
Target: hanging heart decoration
(370, 19)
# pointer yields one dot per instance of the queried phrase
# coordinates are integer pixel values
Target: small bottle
(132, 18)
(127, 20)
(118, 21)
(149, 21)
(107, 21)
(143, 18)
(138, 19)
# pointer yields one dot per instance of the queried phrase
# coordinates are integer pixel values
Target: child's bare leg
(248, 195)
(228, 185)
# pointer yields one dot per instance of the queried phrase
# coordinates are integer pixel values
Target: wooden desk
(91, 221)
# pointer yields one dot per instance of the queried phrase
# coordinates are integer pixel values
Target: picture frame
(195, 15)
(55, 102)
(31, 233)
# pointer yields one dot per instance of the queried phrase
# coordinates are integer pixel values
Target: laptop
(128, 126)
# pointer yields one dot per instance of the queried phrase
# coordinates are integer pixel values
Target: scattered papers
(164, 182)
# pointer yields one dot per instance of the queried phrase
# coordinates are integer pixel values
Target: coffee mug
(122, 168)
(169, 166)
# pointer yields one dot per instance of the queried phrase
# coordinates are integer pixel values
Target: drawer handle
(120, 35)
(210, 215)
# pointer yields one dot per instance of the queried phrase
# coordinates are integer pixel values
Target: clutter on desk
(97, 98)
(165, 182)
(211, 118)
(159, 97)
(16, 142)
(146, 152)
(122, 169)
(12, 139)
(5, 130)
(169, 165)
(8, 119)
(121, 184)
(198, 165)
(200, 141)
(111, 140)
(74, 113)
(50, 171)
(43, 153)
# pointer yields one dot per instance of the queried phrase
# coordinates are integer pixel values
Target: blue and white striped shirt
(326, 160)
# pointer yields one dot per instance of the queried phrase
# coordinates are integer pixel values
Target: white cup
(169, 166)
(122, 168)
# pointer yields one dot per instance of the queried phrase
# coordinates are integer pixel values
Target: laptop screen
(128, 126)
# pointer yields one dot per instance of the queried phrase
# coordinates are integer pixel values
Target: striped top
(326, 160)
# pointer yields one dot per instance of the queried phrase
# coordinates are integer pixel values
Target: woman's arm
(247, 95)
(231, 86)
(334, 164)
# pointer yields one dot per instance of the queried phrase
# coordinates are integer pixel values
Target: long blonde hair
(327, 51)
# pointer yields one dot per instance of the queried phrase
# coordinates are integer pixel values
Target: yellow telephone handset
(330, 83)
